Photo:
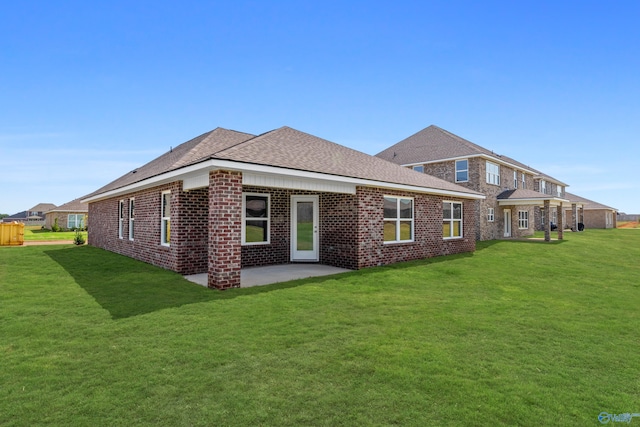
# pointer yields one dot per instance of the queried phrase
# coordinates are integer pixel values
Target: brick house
(592, 215)
(69, 216)
(228, 200)
(518, 199)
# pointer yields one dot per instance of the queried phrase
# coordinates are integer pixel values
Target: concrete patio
(258, 276)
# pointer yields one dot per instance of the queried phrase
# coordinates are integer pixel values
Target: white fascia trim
(215, 164)
(553, 201)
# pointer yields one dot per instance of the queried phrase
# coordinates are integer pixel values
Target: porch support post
(574, 214)
(547, 221)
(560, 222)
(225, 229)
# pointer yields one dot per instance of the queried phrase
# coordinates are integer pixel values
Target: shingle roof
(42, 207)
(433, 144)
(285, 148)
(72, 206)
(588, 204)
(185, 154)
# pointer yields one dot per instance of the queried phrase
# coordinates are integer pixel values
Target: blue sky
(92, 90)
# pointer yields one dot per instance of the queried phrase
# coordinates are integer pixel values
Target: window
(165, 226)
(255, 219)
(542, 216)
(462, 170)
(515, 179)
(493, 173)
(490, 214)
(543, 186)
(560, 190)
(419, 169)
(120, 218)
(523, 220)
(75, 221)
(524, 181)
(132, 214)
(451, 220)
(398, 219)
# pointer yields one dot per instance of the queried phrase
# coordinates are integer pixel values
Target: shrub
(55, 227)
(78, 238)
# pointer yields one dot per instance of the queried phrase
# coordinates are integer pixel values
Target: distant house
(517, 196)
(228, 200)
(33, 216)
(70, 216)
(594, 214)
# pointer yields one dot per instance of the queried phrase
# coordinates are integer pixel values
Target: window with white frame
(132, 216)
(542, 217)
(165, 224)
(515, 179)
(451, 220)
(75, 221)
(493, 173)
(491, 214)
(398, 219)
(462, 170)
(523, 220)
(419, 168)
(524, 181)
(543, 186)
(560, 189)
(120, 218)
(255, 219)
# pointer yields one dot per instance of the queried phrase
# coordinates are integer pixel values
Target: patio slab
(258, 276)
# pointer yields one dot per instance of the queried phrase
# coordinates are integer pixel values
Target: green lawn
(518, 333)
(37, 233)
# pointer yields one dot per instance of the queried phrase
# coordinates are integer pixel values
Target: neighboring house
(18, 217)
(228, 200)
(33, 216)
(69, 216)
(594, 214)
(517, 196)
(37, 212)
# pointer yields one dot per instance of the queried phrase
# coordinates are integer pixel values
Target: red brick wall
(428, 241)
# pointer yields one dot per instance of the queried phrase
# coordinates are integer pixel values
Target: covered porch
(544, 202)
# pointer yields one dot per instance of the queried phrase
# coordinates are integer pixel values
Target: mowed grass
(33, 233)
(518, 333)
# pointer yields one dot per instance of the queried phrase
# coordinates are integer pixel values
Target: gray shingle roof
(588, 204)
(285, 148)
(185, 154)
(42, 207)
(523, 194)
(72, 206)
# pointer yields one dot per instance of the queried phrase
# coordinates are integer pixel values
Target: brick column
(547, 221)
(574, 214)
(560, 222)
(225, 228)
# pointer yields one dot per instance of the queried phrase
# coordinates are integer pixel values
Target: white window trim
(543, 186)
(131, 217)
(164, 218)
(492, 178)
(452, 220)
(120, 219)
(75, 221)
(523, 220)
(244, 219)
(398, 220)
(462, 170)
(524, 181)
(491, 215)
(515, 179)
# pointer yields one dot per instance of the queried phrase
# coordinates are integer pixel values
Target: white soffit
(195, 181)
(280, 181)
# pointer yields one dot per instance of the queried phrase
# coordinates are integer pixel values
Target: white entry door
(304, 228)
(507, 223)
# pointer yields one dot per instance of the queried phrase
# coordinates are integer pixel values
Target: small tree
(78, 239)
(55, 227)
